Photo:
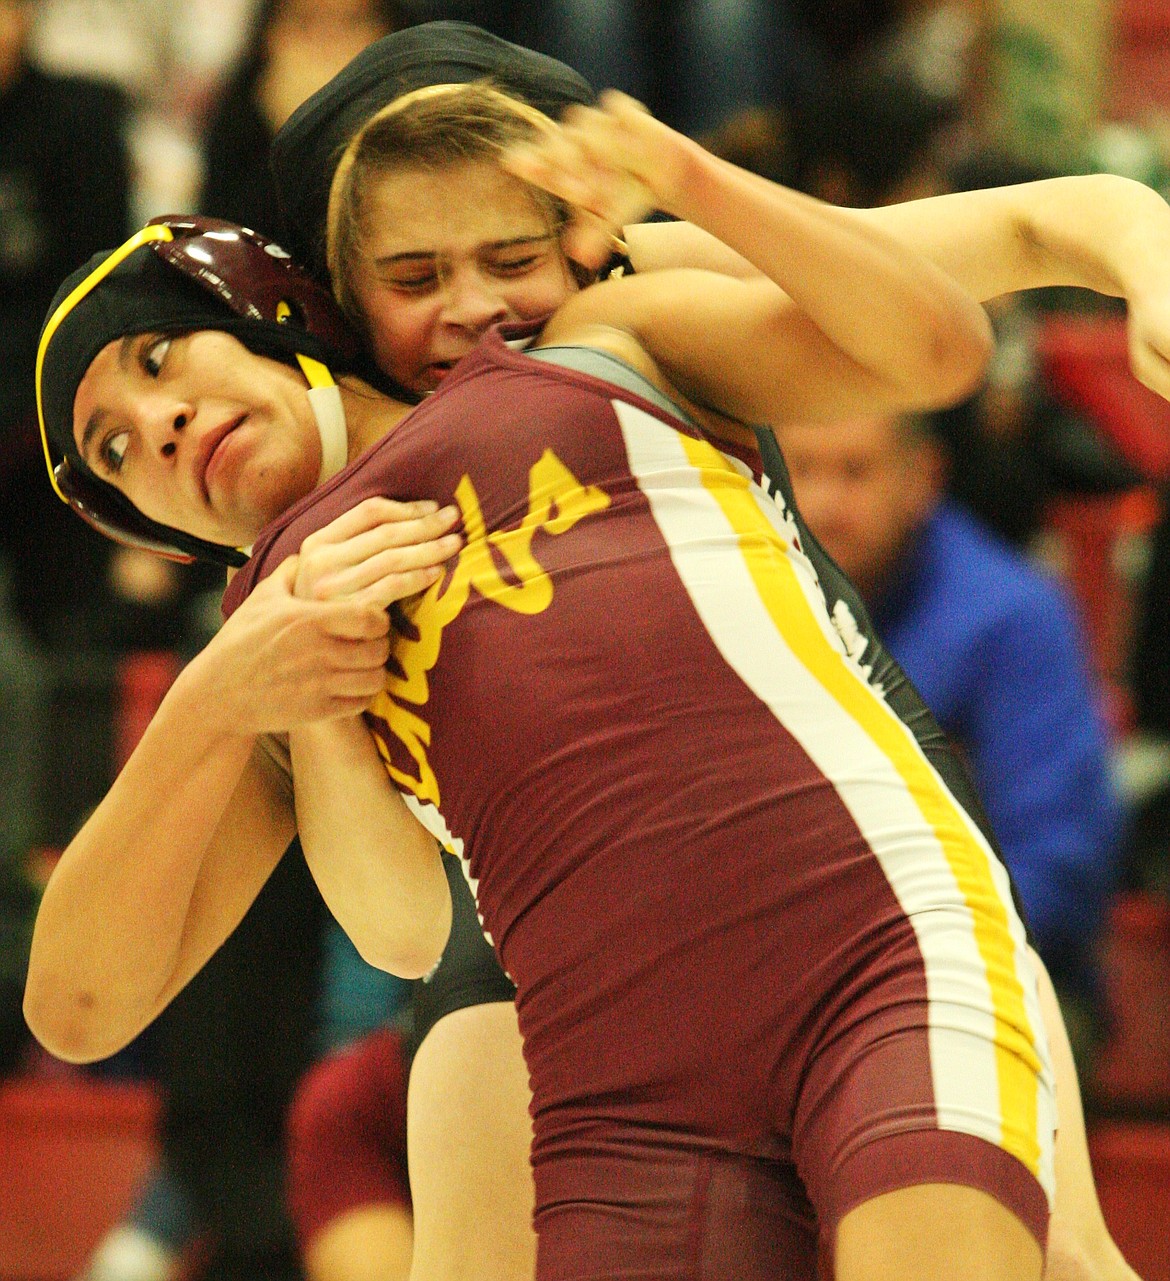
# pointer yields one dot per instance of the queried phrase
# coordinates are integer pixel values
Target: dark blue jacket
(997, 652)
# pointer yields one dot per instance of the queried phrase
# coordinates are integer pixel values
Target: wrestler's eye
(521, 259)
(154, 353)
(414, 282)
(516, 266)
(112, 451)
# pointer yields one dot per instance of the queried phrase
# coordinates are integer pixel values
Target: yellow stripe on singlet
(1018, 1063)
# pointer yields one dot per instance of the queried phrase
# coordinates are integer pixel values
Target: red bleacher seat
(1131, 1164)
(1132, 1070)
(72, 1153)
(1090, 539)
(1086, 362)
(143, 678)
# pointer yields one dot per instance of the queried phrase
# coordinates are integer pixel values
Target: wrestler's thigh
(933, 1232)
(468, 1141)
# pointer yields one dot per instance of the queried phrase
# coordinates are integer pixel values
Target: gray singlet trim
(611, 369)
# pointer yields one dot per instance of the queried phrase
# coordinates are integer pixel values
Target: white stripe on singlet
(758, 598)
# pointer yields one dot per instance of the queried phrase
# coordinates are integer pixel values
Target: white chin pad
(330, 415)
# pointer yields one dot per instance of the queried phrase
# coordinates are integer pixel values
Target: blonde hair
(430, 128)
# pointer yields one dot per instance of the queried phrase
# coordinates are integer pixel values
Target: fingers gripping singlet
(670, 778)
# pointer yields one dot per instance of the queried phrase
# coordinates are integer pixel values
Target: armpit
(274, 751)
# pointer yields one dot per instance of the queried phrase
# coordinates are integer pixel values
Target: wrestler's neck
(369, 414)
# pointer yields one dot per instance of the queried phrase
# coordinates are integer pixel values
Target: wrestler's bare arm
(1094, 231)
(842, 318)
(139, 898)
(168, 863)
(379, 869)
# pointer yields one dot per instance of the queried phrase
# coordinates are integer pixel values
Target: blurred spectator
(159, 52)
(349, 1190)
(339, 1000)
(121, 42)
(168, 57)
(997, 652)
(348, 1186)
(230, 1048)
(295, 47)
(693, 62)
(64, 193)
(1014, 446)
(893, 112)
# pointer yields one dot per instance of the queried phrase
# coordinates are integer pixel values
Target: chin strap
(329, 412)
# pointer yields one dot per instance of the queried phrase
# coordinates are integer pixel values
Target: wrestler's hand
(281, 661)
(380, 551)
(613, 163)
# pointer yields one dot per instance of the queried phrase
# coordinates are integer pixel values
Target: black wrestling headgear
(306, 151)
(176, 275)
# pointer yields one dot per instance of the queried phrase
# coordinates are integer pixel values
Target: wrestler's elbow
(954, 358)
(411, 947)
(405, 959)
(73, 1026)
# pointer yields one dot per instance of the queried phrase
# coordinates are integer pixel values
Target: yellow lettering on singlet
(557, 500)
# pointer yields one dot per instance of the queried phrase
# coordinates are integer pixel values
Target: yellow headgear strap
(87, 286)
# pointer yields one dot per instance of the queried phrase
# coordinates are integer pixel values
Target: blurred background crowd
(1015, 549)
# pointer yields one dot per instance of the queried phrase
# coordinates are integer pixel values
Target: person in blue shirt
(997, 650)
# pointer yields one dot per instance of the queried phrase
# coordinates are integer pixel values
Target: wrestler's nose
(163, 425)
(472, 302)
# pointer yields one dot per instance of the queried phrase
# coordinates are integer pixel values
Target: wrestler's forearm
(901, 320)
(1097, 232)
(889, 309)
(154, 881)
(662, 246)
(168, 863)
(377, 868)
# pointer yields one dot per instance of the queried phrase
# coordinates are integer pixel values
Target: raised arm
(843, 317)
(1093, 231)
(1096, 231)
